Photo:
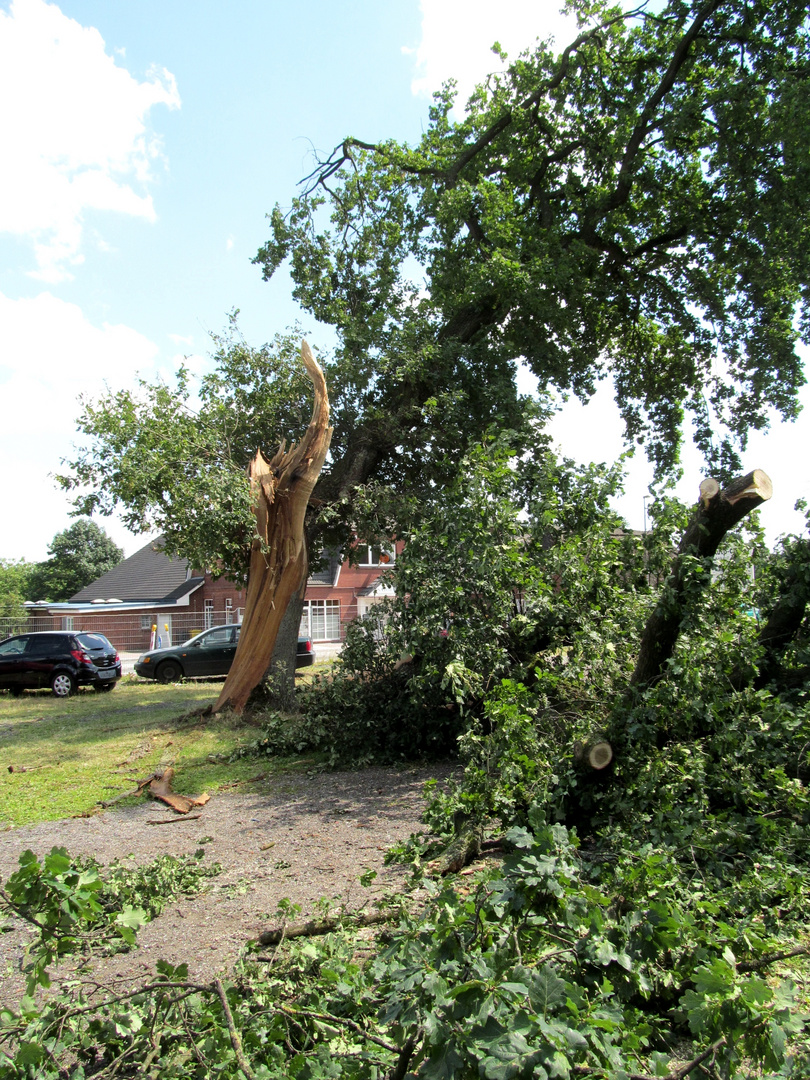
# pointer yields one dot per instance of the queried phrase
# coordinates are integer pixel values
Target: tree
(79, 555)
(175, 458)
(14, 589)
(635, 205)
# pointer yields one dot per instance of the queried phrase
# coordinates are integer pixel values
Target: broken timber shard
(278, 560)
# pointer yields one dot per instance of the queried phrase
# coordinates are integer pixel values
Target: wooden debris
(159, 784)
(26, 768)
(315, 927)
(462, 849)
(161, 788)
(174, 820)
(594, 752)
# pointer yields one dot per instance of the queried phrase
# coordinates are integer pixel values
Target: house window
(375, 555)
(147, 621)
(228, 609)
(67, 622)
(208, 614)
(321, 620)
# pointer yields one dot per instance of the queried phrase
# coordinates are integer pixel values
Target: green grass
(86, 749)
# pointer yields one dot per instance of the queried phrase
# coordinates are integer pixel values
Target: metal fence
(129, 632)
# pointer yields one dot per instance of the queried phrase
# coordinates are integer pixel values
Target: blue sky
(145, 142)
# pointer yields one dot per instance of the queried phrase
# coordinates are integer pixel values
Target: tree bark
(717, 512)
(278, 559)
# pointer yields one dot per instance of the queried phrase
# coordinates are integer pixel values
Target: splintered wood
(278, 562)
(159, 786)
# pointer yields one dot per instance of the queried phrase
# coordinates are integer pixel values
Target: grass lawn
(80, 751)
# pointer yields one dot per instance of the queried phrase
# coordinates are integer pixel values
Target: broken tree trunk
(717, 512)
(278, 559)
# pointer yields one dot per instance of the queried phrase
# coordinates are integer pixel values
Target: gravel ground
(309, 836)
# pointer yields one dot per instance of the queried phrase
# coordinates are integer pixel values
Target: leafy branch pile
(75, 910)
(646, 921)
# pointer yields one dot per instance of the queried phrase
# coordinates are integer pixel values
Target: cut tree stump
(595, 753)
(278, 560)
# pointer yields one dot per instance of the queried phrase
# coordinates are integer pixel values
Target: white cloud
(51, 354)
(73, 130)
(457, 38)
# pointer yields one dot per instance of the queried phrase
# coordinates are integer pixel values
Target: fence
(129, 632)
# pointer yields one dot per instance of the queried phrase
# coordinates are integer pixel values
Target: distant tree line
(77, 556)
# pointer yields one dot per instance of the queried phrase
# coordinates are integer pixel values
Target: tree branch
(621, 192)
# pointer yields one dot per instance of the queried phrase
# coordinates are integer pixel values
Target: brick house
(151, 593)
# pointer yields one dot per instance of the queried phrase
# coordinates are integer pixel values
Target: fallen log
(462, 849)
(316, 927)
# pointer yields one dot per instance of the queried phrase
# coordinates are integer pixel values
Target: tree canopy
(78, 555)
(635, 205)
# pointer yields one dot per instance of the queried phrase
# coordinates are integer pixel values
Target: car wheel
(63, 684)
(103, 687)
(169, 671)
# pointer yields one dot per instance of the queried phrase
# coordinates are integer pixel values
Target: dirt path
(309, 836)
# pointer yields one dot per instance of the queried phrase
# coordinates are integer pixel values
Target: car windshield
(94, 642)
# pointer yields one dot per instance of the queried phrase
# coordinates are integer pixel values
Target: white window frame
(208, 614)
(320, 620)
(228, 610)
(371, 554)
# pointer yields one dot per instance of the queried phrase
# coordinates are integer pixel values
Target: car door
(11, 661)
(211, 653)
(43, 653)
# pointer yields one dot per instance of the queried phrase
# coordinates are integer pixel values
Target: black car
(209, 653)
(63, 660)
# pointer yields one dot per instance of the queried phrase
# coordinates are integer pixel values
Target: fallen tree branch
(462, 849)
(774, 958)
(717, 512)
(236, 1041)
(676, 1074)
(316, 927)
(174, 820)
(340, 1021)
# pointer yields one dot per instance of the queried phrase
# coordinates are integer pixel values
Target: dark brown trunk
(717, 512)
